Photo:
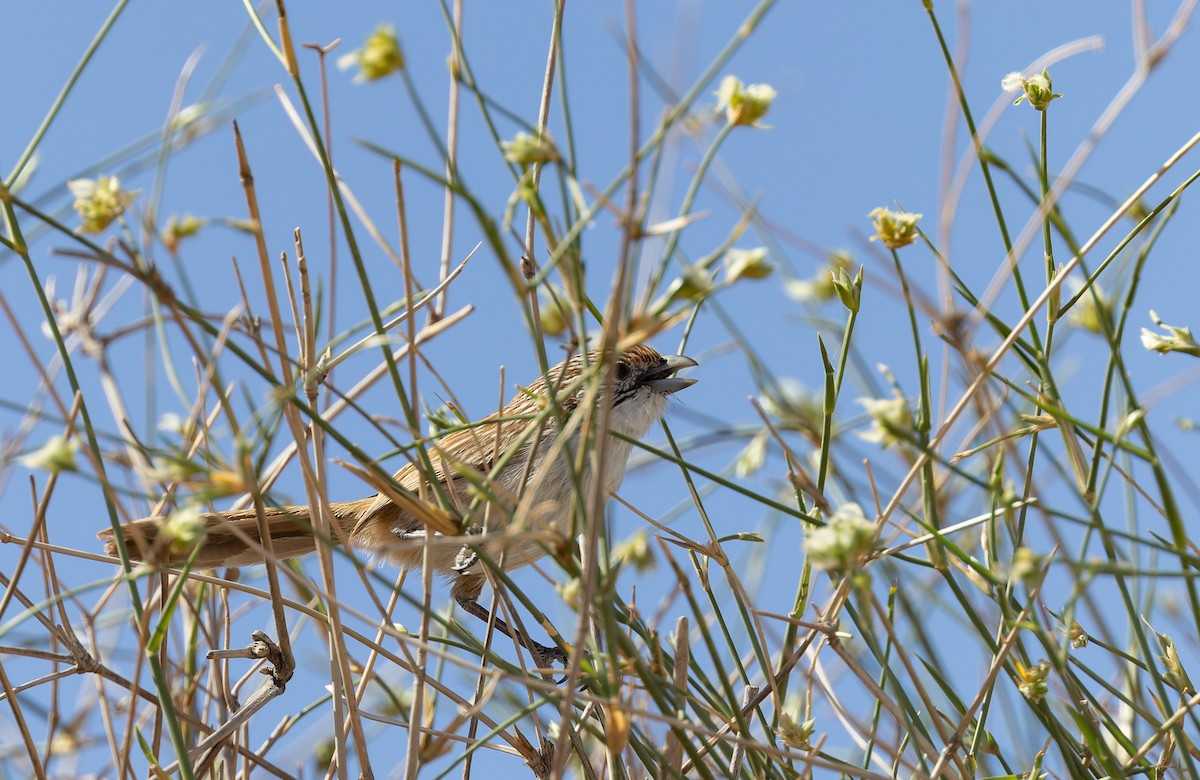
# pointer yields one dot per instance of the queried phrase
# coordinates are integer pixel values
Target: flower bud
(553, 315)
(794, 733)
(1173, 671)
(849, 291)
(525, 149)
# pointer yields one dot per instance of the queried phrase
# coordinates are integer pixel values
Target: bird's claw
(546, 657)
(465, 559)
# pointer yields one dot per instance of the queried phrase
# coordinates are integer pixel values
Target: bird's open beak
(662, 379)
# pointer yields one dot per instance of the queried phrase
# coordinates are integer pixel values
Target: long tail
(230, 538)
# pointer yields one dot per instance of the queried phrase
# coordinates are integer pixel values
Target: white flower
(1013, 82)
(1174, 340)
(1079, 638)
(747, 264)
(891, 421)
(1036, 89)
(172, 423)
(57, 454)
(843, 541)
(794, 406)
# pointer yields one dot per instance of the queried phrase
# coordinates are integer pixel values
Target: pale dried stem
(268, 285)
(448, 197)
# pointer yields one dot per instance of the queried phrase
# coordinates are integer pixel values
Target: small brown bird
(529, 495)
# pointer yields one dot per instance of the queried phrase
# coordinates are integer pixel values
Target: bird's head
(642, 381)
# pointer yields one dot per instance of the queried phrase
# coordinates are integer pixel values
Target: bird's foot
(465, 559)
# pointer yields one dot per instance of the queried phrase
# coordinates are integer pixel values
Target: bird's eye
(622, 372)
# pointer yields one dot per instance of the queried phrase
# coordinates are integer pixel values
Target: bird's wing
(459, 460)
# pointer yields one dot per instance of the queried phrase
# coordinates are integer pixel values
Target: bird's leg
(467, 590)
(542, 655)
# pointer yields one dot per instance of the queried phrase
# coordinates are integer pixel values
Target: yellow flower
(1031, 682)
(635, 550)
(894, 228)
(1026, 566)
(379, 56)
(179, 228)
(223, 482)
(99, 201)
(744, 104)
